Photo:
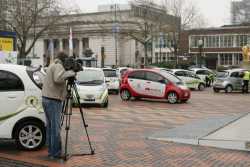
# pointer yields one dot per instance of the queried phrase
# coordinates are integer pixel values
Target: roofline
(225, 27)
(92, 13)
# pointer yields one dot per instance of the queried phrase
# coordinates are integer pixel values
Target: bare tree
(186, 10)
(240, 12)
(29, 19)
(152, 19)
(190, 18)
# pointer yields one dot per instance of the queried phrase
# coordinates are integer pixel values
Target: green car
(192, 80)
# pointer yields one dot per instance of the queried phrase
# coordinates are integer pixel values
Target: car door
(155, 85)
(202, 74)
(11, 93)
(192, 81)
(136, 81)
(236, 80)
(181, 75)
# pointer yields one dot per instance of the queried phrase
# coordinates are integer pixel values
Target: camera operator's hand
(69, 74)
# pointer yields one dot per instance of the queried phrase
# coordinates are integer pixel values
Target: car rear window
(222, 74)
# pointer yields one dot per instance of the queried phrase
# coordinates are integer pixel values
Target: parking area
(119, 134)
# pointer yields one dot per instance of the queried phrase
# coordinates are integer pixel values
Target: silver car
(229, 80)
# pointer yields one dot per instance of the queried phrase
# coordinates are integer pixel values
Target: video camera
(73, 64)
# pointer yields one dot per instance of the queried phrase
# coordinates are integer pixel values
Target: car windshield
(88, 77)
(171, 77)
(123, 71)
(36, 75)
(222, 74)
(110, 73)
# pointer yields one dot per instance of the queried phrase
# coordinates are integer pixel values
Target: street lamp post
(174, 46)
(200, 44)
(161, 44)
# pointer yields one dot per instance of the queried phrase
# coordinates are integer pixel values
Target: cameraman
(53, 95)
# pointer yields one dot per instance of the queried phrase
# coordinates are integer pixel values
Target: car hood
(221, 79)
(91, 89)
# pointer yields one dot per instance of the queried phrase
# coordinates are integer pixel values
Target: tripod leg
(68, 113)
(65, 104)
(83, 120)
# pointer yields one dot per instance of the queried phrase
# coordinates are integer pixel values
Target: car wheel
(125, 95)
(229, 89)
(30, 135)
(216, 90)
(172, 98)
(201, 87)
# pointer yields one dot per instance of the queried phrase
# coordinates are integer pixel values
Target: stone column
(60, 45)
(80, 47)
(233, 59)
(218, 60)
(51, 49)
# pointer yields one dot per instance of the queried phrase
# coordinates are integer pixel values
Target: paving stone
(197, 129)
(13, 163)
(119, 134)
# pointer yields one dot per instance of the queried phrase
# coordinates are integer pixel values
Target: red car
(150, 83)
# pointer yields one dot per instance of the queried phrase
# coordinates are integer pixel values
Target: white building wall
(128, 52)
(95, 44)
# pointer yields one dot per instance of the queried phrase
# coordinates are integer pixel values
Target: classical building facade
(217, 46)
(119, 32)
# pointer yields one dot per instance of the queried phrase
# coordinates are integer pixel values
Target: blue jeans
(52, 109)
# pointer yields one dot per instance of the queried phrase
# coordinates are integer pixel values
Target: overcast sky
(216, 12)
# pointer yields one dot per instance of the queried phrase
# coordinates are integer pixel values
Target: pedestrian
(246, 77)
(53, 94)
(206, 80)
(210, 79)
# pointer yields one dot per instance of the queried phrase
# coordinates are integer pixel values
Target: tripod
(72, 94)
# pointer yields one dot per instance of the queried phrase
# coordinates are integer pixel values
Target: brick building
(220, 46)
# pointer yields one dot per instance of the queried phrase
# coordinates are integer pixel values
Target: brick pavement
(119, 134)
(13, 163)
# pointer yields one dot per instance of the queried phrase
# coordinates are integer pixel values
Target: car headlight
(184, 87)
(104, 92)
(102, 89)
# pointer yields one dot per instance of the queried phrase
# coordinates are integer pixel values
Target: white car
(202, 72)
(121, 70)
(91, 86)
(112, 80)
(21, 114)
(192, 80)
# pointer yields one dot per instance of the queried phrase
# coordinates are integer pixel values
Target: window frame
(159, 75)
(13, 90)
(132, 73)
